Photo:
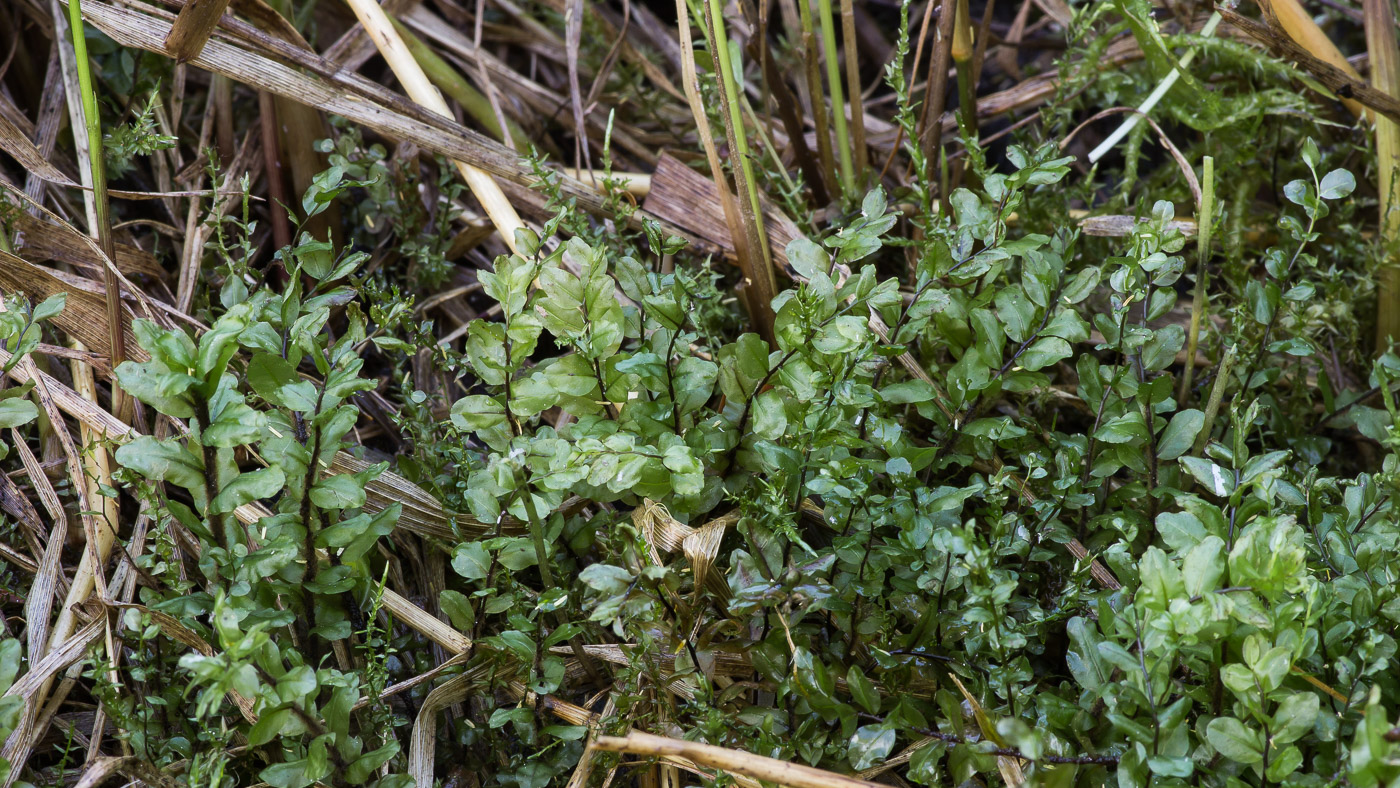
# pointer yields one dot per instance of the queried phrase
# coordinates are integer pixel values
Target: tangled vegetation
(881, 446)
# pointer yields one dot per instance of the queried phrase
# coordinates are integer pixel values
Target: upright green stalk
(838, 100)
(536, 530)
(1198, 298)
(731, 91)
(756, 259)
(98, 169)
(1217, 394)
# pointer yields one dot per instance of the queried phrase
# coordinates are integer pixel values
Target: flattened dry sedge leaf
(17, 144)
(84, 317)
(38, 240)
(424, 740)
(58, 658)
(663, 533)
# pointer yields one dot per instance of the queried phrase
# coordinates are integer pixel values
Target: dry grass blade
(416, 83)
(902, 758)
(69, 401)
(1057, 10)
(637, 184)
(1145, 108)
(426, 624)
(65, 647)
(410, 683)
(39, 480)
(936, 93)
(34, 687)
(46, 129)
(789, 112)
(424, 742)
(584, 769)
(14, 502)
(573, 32)
(577, 715)
(857, 110)
(300, 128)
(19, 559)
(453, 84)
(726, 663)
(422, 513)
(110, 269)
(524, 91)
(701, 546)
(1186, 171)
(1039, 89)
(1313, 680)
(98, 539)
(70, 650)
(736, 762)
(102, 769)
